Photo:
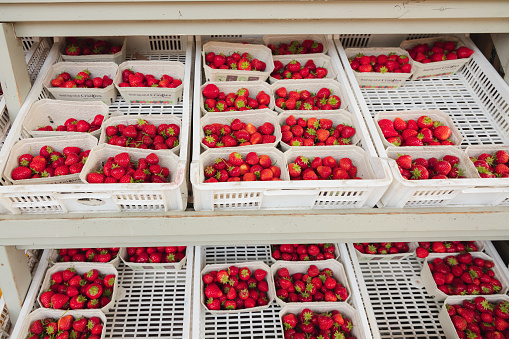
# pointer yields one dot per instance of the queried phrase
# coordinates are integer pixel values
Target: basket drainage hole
(416, 280)
(91, 201)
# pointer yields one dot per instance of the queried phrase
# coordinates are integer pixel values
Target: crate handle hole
(91, 201)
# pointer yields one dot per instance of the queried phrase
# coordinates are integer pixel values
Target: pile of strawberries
(492, 165)
(83, 79)
(120, 169)
(144, 135)
(432, 168)
(73, 125)
(382, 247)
(50, 163)
(313, 285)
(156, 255)
(253, 168)
(463, 274)
(294, 70)
(322, 169)
(439, 51)
(75, 46)
(310, 252)
(421, 132)
(235, 288)
(295, 47)
(382, 63)
(69, 290)
(315, 132)
(238, 133)
(480, 319)
(217, 101)
(138, 79)
(306, 101)
(425, 248)
(66, 327)
(87, 254)
(236, 61)
(330, 324)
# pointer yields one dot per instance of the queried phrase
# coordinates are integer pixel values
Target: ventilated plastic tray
(320, 60)
(387, 257)
(116, 58)
(152, 266)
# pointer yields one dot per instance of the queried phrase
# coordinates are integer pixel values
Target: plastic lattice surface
(402, 308)
(153, 306)
(237, 254)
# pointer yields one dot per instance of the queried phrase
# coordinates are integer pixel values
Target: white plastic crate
(477, 100)
(375, 79)
(338, 273)
(387, 257)
(250, 325)
(47, 112)
(117, 197)
(320, 60)
(53, 258)
(152, 266)
(250, 196)
(287, 39)
(395, 300)
(36, 55)
(117, 58)
(97, 69)
(5, 321)
(431, 286)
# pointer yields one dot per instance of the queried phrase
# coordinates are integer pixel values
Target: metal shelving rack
(27, 18)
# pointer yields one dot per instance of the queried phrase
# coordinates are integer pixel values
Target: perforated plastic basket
(287, 39)
(116, 58)
(375, 79)
(313, 86)
(431, 286)
(320, 60)
(253, 266)
(433, 69)
(32, 146)
(259, 52)
(345, 309)
(156, 119)
(152, 95)
(254, 88)
(257, 118)
(436, 115)
(55, 112)
(43, 313)
(54, 257)
(338, 273)
(338, 117)
(97, 69)
(387, 257)
(445, 319)
(81, 268)
(151, 266)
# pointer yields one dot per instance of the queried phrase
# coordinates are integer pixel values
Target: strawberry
(65, 323)
(21, 173)
(260, 274)
(94, 291)
(36, 327)
(58, 300)
(213, 291)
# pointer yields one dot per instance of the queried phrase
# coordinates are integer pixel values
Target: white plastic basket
(313, 86)
(54, 257)
(100, 154)
(338, 273)
(55, 112)
(257, 118)
(321, 60)
(425, 193)
(253, 266)
(43, 313)
(336, 256)
(32, 146)
(380, 80)
(436, 115)
(254, 88)
(338, 117)
(116, 58)
(151, 266)
(431, 286)
(278, 39)
(345, 309)
(445, 319)
(412, 246)
(152, 95)
(434, 69)
(259, 52)
(156, 119)
(97, 69)
(81, 268)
